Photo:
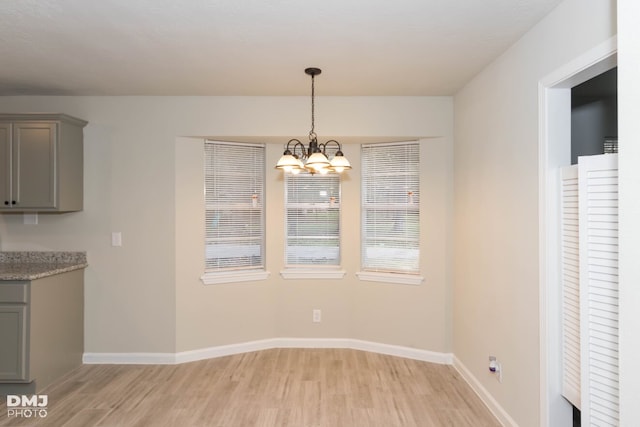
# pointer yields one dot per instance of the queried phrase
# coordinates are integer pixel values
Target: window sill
(399, 278)
(305, 273)
(235, 276)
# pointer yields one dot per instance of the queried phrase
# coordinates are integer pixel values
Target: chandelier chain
(312, 133)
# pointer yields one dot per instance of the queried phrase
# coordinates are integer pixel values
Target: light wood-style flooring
(278, 387)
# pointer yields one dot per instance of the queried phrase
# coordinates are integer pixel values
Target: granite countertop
(36, 265)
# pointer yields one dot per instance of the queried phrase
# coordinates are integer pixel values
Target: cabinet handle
(6, 202)
(13, 202)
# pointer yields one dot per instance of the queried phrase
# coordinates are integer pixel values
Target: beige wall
(496, 283)
(413, 316)
(143, 177)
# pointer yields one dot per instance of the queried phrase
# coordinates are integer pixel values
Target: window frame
(311, 271)
(378, 274)
(237, 273)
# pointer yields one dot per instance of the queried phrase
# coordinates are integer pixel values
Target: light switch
(116, 238)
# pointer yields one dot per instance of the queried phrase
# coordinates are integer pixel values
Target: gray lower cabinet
(13, 336)
(41, 330)
(41, 163)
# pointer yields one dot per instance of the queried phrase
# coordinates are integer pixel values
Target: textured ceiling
(254, 47)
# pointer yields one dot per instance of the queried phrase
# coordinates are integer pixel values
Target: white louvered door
(598, 230)
(570, 285)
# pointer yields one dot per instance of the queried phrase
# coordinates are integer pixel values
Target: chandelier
(313, 159)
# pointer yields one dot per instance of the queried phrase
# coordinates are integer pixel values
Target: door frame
(554, 151)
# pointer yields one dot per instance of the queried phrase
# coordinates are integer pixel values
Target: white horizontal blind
(570, 265)
(391, 207)
(234, 198)
(598, 204)
(312, 219)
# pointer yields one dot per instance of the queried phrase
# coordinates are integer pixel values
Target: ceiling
(254, 47)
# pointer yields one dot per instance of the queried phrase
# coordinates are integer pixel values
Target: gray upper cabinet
(41, 160)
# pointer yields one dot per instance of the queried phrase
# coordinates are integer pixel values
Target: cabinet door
(34, 165)
(5, 164)
(13, 336)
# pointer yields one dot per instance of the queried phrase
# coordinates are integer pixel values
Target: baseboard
(129, 358)
(16, 388)
(223, 350)
(486, 397)
(406, 352)
(228, 350)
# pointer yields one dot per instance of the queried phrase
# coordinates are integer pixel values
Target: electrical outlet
(317, 315)
(495, 367)
(30, 218)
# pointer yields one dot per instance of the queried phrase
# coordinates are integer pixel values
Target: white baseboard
(129, 358)
(223, 350)
(227, 350)
(493, 406)
(407, 352)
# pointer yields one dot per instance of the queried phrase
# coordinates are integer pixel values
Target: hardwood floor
(278, 387)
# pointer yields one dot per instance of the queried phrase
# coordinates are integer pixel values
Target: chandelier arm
(303, 149)
(287, 150)
(337, 143)
(291, 140)
(333, 140)
(323, 146)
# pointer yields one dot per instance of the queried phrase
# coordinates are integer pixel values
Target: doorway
(555, 151)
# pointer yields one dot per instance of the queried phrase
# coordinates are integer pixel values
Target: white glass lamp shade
(288, 162)
(317, 161)
(340, 163)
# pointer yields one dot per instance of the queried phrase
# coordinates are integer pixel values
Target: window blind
(234, 199)
(312, 220)
(391, 207)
